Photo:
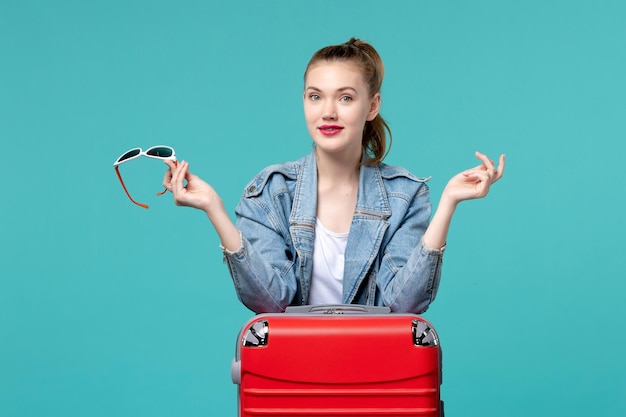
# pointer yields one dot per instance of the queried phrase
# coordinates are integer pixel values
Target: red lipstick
(330, 130)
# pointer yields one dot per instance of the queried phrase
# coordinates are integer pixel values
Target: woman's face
(337, 104)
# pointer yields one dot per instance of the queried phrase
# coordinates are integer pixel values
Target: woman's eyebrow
(340, 90)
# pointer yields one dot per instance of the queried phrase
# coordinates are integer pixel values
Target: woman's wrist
(446, 204)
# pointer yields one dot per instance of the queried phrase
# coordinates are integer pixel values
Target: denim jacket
(386, 262)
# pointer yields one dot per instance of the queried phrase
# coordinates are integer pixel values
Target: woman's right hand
(195, 193)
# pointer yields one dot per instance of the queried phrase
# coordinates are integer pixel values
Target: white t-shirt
(328, 265)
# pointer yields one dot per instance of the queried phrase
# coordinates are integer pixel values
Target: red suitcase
(338, 361)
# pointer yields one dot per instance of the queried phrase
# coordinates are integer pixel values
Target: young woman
(338, 225)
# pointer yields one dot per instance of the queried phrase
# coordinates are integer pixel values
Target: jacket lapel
(302, 223)
(368, 227)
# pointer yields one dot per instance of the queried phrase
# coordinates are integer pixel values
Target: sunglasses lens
(130, 154)
(160, 152)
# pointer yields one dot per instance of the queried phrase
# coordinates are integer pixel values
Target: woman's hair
(365, 56)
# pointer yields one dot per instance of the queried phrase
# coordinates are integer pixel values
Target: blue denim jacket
(386, 262)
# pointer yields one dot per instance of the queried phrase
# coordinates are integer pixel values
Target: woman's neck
(337, 190)
(337, 168)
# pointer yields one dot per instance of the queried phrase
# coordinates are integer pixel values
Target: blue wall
(107, 309)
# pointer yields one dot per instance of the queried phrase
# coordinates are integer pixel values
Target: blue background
(107, 309)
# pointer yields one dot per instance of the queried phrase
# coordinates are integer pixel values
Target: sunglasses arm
(164, 191)
(117, 171)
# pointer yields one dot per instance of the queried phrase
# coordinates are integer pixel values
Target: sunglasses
(158, 152)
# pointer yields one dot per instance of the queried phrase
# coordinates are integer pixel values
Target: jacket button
(252, 188)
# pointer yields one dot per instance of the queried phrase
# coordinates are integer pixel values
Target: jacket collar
(371, 198)
(304, 208)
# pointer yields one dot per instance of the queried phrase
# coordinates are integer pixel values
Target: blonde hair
(363, 54)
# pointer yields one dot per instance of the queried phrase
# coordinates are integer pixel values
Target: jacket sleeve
(409, 272)
(263, 268)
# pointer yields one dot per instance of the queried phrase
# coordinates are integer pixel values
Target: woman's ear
(374, 107)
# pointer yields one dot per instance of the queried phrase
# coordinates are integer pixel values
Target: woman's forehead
(334, 74)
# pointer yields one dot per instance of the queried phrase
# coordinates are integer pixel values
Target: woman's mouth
(330, 130)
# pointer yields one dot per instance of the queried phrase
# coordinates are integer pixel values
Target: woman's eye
(314, 97)
(346, 99)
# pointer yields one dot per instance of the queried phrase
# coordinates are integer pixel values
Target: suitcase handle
(337, 309)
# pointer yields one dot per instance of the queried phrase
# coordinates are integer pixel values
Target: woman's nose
(330, 111)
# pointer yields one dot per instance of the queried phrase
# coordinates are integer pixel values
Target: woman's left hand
(475, 182)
